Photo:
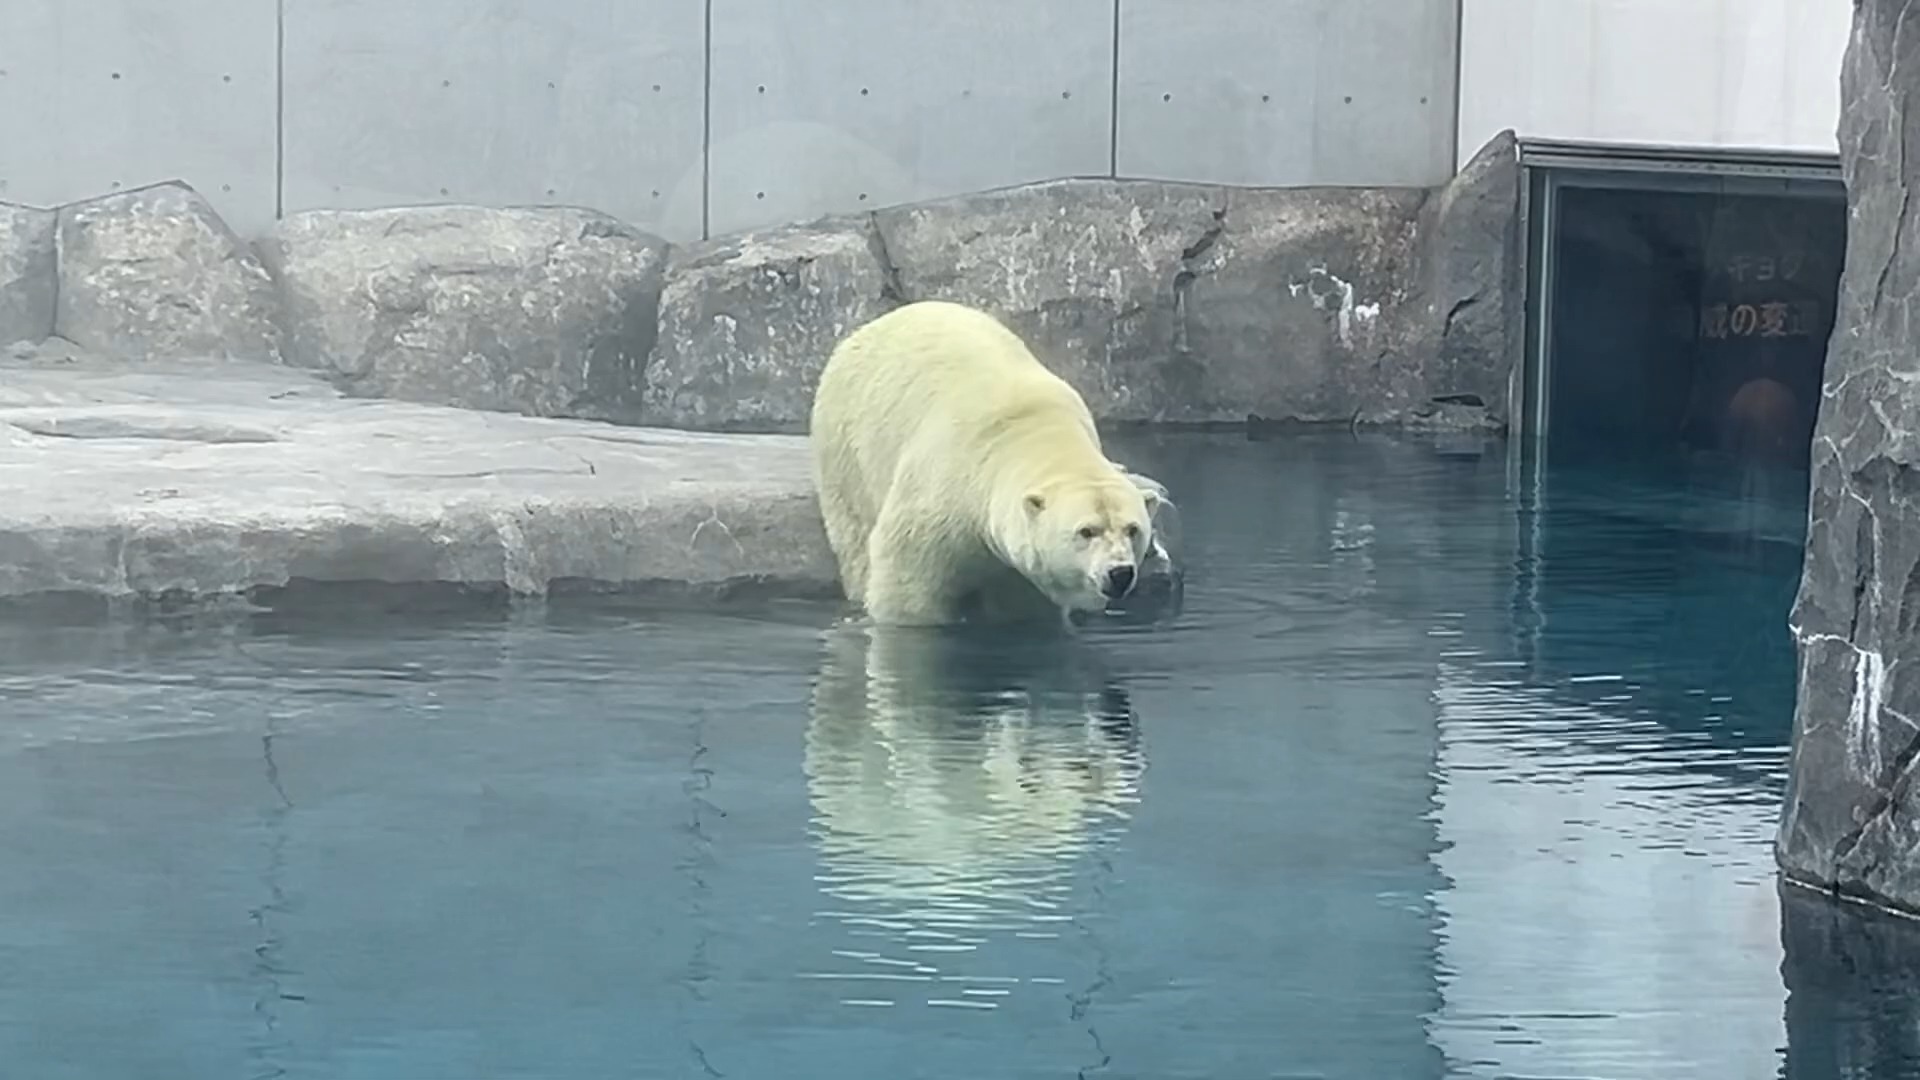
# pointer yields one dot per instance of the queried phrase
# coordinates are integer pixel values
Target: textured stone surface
(1159, 301)
(545, 311)
(747, 322)
(1299, 309)
(1852, 818)
(27, 273)
(1190, 303)
(1083, 269)
(1468, 345)
(141, 481)
(155, 274)
(163, 479)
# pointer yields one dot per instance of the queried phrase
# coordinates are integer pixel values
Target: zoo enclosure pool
(1420, 784)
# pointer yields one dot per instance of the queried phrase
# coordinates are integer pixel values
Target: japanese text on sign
(1784, 267)
(1771, 319)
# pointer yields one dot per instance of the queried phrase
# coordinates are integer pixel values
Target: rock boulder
(28, 274)
(1085, 270)
(155, 274)
(747, 322)
(1851, 823)
(1168, 302)
(1472, 322)
(543, 311)
(1299, 309)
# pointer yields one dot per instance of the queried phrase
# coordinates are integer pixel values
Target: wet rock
(133, 481)
(28, 280)
(154, 274)
(1852, 818)
(544, 311)
(1464, 413)
(747, 322)
(1083, 269)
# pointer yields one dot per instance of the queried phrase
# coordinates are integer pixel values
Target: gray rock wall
(155, 274)
(1161, 302)
(548, 311)
(27, 273)
(1851, 823)
(746, 323)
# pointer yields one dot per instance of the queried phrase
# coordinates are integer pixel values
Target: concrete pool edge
(123, 482)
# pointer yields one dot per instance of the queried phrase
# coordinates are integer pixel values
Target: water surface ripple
(1426, 781)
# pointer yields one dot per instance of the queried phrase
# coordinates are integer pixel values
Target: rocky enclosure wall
(1851, 823)
(1161, 302)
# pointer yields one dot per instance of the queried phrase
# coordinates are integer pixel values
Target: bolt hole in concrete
(1414, 785)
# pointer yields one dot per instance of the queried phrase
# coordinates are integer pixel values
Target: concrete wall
(1686, 72)
(694, 116)
(701, 117)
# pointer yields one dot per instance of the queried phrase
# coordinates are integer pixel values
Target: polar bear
(1159, 588)
(960, 480)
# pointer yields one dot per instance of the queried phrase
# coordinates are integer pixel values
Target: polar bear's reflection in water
(957, 778)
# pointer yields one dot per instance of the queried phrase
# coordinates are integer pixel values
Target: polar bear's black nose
(1119, 580)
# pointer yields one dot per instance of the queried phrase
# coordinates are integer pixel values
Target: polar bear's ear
(1035, 502)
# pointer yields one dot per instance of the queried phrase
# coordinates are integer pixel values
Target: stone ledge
(146, 481)
(149, 480)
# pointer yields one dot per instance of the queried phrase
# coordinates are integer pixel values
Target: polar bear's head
(1083, 541)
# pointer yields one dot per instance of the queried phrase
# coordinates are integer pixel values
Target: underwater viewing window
(1679, 303)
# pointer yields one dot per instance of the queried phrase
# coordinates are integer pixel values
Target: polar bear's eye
(1087, 532)
(1133, 532)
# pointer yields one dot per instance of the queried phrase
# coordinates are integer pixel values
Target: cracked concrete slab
(157, 480)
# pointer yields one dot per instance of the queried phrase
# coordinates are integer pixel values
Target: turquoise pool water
(1421, 783)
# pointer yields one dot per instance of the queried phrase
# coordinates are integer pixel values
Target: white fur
(955, 475)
